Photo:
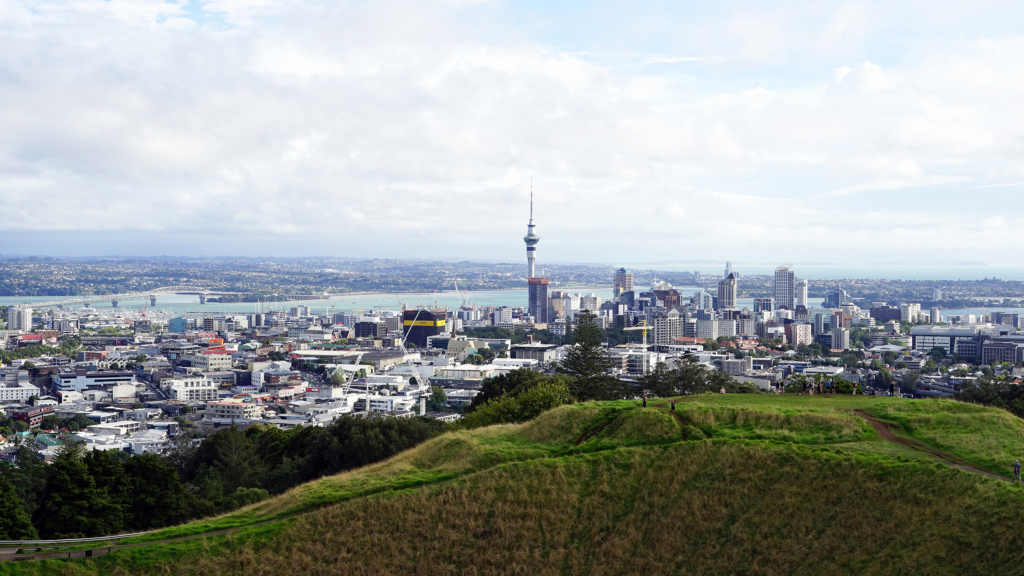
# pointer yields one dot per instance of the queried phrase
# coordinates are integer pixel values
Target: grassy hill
(749, 484)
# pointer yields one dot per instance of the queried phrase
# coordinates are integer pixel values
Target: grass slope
(748, 484)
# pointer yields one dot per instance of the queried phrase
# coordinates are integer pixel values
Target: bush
(244, 497)
(526, 406)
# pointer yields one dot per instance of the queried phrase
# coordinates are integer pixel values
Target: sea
(187, 304)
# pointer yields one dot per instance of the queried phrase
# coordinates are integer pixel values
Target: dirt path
(884, 430)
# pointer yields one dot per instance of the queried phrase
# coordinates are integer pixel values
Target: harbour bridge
(152, 295)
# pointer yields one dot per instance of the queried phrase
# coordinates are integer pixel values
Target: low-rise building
(234, 410)
(190, 388)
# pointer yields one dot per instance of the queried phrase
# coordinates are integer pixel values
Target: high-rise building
(764, 304)
(591, 302)
(819, 325)
(798, 334)
(538, 299)
(728, 269)
(801, 293)
(785, 287)
(840, 339)
(701, 300)
(420, 324)
(936, 315)
(727, 292)
(19, 319)
(836, 298)
(531, 240)
(909, 311)
(937, 296)
(623, 281)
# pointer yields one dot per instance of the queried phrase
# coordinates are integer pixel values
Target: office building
(836, 298)
(840, 339)
(936, 315)
(785, 287)
(623, 282)
(801, 293)
(727, 292)
(538, 307)
(591, 302)
(728, 270)
(707, 329)
(819, 325)
(666, 327)
(764, 304)
(702, 300)
(420, 324)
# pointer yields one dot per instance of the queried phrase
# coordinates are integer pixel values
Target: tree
(542, 396)
(157, 497)
(688, 377)
(73, 506)
(50, 422)
(14, 521)
(588, 363)
(436, 401)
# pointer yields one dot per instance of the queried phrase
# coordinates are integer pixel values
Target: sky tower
(531, 240)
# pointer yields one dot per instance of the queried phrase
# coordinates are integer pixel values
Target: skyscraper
(623, 281)
(801, 293)
(539, 299)
(728, 269)
(531, 240)
(727, 292)
(785, 286)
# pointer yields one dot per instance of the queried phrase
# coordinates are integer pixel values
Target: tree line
(86, 493)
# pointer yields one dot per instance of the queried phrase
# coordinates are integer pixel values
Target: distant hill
(726, 484)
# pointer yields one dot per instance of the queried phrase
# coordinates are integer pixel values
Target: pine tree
(14, 521)
(588, 362)
(74, 507)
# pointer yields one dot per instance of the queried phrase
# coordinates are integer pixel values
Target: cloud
(285, 125)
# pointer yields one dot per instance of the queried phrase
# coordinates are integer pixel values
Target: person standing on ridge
(645, 400)
(1016, 471)
(673, 405)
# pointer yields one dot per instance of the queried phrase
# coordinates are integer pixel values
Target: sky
(824, 133)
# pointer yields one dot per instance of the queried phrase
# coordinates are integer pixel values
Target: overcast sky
(654, 131)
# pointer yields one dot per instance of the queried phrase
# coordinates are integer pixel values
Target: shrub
(525, 406)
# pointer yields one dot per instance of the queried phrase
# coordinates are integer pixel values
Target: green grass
(730, 483)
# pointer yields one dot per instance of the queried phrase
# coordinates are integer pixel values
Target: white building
(801, 293)
(910, 312)
(210, 362)
(18, 392)
(840, 339)
(707, 329)
(590, 302)
(235, 410)
(19, 319)
(190, 388)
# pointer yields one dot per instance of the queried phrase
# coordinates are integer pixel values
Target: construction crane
(643, 328)
(348, 384)
(457, 294)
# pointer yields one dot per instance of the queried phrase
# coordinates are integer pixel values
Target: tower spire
(531, 239)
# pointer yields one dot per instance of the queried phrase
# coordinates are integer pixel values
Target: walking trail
(884, 430)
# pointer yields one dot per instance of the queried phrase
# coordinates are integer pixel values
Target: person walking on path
(1016, 471)
(673, 405)
(645, 400)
